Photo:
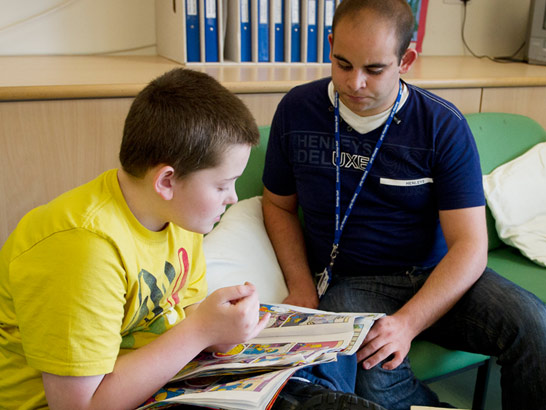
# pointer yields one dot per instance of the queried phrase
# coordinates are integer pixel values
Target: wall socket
(456, 2)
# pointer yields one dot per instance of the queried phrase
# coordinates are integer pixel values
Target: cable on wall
(504, 59)
(124, 50)
(57, 7)
(38, 15)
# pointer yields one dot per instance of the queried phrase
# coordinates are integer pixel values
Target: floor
(458, 390)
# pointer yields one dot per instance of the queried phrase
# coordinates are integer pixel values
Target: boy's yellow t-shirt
(81, 282)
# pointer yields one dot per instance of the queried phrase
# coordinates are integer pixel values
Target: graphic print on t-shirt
(155, 294)
(319, 150)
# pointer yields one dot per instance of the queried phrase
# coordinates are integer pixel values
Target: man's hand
(388, 337)
(304, 297)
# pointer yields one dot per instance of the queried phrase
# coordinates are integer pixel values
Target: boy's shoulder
(73, 209)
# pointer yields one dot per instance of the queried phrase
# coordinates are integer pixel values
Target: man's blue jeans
(495, 317)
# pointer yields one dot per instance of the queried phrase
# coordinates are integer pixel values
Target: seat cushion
(511, 264)
(430, 361)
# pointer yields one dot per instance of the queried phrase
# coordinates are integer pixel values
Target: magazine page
(255, 371)
(295, 323)
(293, 337)
(289, 320)
(248, 392)
(259, 357)
(362, 326)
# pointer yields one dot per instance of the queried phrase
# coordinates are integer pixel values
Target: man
(408, 235)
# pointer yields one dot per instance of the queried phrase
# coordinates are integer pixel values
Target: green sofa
(500, 137)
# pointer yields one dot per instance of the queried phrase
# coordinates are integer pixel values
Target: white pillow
(516, 195)
(238, 250)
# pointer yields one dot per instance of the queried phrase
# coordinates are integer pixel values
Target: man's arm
(466, 236)
(285, 232)
(227, 316)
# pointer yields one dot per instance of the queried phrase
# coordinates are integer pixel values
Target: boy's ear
(163, 181)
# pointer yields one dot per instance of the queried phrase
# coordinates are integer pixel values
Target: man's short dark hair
(185, 119)
(397, 11)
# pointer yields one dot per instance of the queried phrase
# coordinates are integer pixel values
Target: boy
(100, 289)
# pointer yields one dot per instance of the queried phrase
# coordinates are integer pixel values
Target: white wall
(493, 27)
(77, 26)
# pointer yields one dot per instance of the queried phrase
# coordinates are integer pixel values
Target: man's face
(365, 66)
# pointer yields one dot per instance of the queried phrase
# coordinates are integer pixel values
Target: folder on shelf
(326, 16)
(246, 31)
(292, 29)
(238, 40)
(193, 52)
(209, 16)
(277, 30)
(309, 31)
(260, 23)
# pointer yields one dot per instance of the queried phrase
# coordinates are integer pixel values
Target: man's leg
(393, 389)
(328, 386)
(498, 318)
(339, 375)
(303, 395)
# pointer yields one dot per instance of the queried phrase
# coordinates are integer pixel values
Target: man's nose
(357, 80)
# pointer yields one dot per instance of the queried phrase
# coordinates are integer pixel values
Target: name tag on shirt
(405, 182)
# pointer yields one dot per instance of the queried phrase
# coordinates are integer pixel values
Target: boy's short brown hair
(185, 119)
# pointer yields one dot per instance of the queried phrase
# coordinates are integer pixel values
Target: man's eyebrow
(372, 65)
(377, 65)
(339, 57)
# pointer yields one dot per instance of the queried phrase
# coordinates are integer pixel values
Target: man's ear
(163, 180)
(409, 57)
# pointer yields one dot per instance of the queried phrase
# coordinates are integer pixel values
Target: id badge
(323, 280)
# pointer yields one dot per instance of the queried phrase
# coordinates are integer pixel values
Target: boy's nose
(232, 197)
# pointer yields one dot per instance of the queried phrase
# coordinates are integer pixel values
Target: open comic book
(254, 372)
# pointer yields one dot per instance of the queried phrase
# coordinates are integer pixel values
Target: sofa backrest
(499, 137)
(250, 184)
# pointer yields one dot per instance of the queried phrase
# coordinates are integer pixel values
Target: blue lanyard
(325, 276)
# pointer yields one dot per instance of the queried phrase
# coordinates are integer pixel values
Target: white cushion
(516, 195)
(238, 250)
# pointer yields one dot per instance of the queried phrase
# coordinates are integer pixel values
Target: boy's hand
(230, 315)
